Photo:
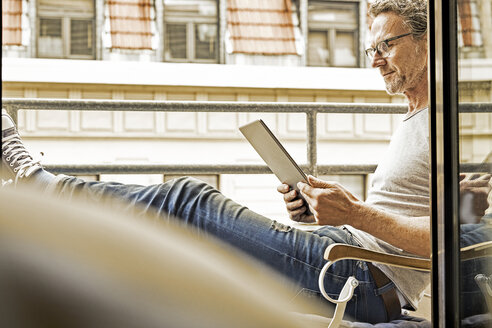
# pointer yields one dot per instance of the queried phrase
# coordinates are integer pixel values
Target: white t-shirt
(401, 185)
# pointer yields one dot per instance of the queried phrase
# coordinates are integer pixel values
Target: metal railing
(13, 105)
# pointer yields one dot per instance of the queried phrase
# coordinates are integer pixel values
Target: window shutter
(50, 41)
(318, 53)
(176, 46)
(345, 49)
(205, 41)
(81, 37)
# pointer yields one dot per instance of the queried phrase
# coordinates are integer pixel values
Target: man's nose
(377, 60)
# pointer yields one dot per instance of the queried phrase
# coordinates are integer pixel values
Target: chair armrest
(338, 252)
(475, 251)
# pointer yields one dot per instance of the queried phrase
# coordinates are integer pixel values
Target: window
(190, 31)
(333, 38)
(460, 141)
(66, 30)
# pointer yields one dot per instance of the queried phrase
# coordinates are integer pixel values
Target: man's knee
(189, 185)
(189, 181)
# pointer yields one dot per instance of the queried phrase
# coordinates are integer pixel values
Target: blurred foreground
(73, 264)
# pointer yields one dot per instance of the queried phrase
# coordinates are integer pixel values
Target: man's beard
(395, 85)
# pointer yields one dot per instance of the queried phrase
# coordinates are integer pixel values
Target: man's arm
(332, 204)
(412, 234)
(474, 193)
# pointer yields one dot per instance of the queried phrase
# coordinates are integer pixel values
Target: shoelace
(16, 154)
(6, 183)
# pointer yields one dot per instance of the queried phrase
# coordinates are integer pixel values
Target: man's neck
(417, 98)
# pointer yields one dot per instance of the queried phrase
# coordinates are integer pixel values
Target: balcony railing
(13, 105)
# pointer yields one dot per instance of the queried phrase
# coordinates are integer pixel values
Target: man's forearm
(412, 234)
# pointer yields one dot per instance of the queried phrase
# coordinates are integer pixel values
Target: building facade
(207, 50)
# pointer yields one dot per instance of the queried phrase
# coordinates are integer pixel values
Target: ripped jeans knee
(280, 227)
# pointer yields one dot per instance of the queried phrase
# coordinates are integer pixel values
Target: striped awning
(11, 22)
(261, 27)
(130, 24)
(470, 34)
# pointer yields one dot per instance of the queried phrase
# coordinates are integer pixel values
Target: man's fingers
(485, 177)
(290, 196)
(478, 176)
(291, 206)
(311, 193)
(304, 188)
(296, 214)
(476, 183)
(315, 182)
(474, 176)
(313, 211)
(462, 176)
(283, 188)
(318, 183)
(304, 218)
(301, 216)
(307, 191)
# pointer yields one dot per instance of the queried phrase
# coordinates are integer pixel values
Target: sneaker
(17, 163)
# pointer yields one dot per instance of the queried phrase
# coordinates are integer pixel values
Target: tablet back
(273, 153)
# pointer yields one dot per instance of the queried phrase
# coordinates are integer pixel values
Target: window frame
(330, 37)
(191, 21)
(66, 17)
(444, 151)
(331, 30)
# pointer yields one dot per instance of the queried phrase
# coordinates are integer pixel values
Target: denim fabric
(472, 299)
(294, 253)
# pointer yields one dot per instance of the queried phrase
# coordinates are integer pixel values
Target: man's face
(405, 65)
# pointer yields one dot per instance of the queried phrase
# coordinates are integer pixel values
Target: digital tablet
(274, 154)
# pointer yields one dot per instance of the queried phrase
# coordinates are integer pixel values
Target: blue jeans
(296, 254)
(472, 299)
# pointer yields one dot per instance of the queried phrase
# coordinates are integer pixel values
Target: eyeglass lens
(381, 47)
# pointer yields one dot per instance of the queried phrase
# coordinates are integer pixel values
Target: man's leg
(296, 254)
(473, 301)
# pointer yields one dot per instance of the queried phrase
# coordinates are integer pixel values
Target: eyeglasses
(382, 47)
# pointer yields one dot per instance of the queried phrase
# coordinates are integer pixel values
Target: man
(394, 219)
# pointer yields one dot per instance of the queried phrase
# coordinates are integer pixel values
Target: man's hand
(330, 202)
(474, 190)
(296, 207)
(334, 205)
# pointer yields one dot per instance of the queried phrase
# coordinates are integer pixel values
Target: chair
(337, 252)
